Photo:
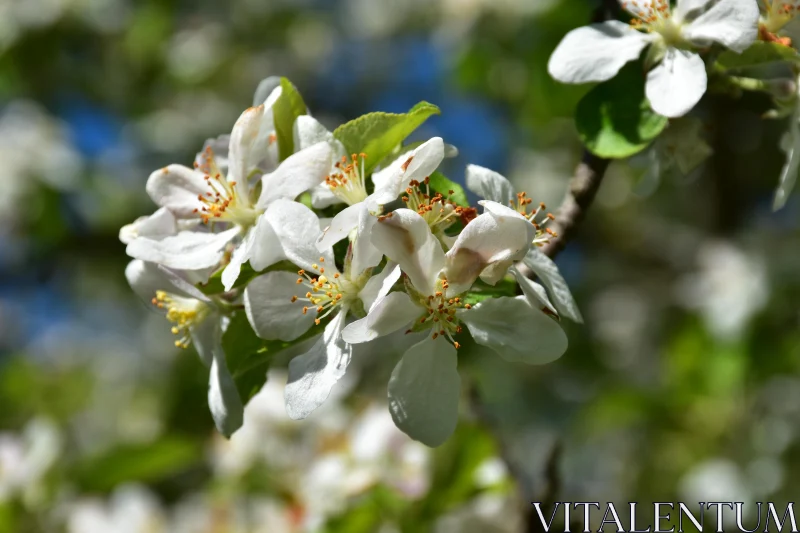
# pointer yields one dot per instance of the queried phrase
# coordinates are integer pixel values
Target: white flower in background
(425, 386)
(26, 129)
(281, 305)
(487, 513)
(130, 509)
(730, 288)
(496, 188)
(196, 320)
(258, 226)
(677, 79)
(26, 458)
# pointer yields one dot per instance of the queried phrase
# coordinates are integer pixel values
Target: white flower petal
(365, 255)
(379, 285)
(159, 224)
(223, 397)
(240, 256)
(406, 239)
(249, 144)
(416, 165)
(733, 23)
(188, 250)
(515, 330)
(297, 174)
(340, 227)
(206, 338)
(270, 310)
(177, 187)
(535, 293)
(313, 374)
(268, 89)
(424, 391)
(489, 184)
(490, 244)
(676, 84)
(596, 52)
(322, 197)
(791, 146)
(288, 230)
(389, 314)
(689, 8)
(308, 131)
(548, 274)
(145, 279)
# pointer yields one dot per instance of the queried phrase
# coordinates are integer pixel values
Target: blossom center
(543, 233)
(778, 13)
(439, 212)
(440, 313)
(347, 183)
(655, 16)
(183, 313)
(221, 202)
(325, 294)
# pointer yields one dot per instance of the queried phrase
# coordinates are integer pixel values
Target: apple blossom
(677, 76)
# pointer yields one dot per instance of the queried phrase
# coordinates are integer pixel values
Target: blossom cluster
(324, 249)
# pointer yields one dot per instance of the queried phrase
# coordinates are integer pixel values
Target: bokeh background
(684, 383)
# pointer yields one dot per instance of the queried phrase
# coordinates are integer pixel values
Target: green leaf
(136, 462)
(377, 134)
(759, 53)
(614, 119)
(440, 183)
(249, 357)
(481, 290)
(287, 108)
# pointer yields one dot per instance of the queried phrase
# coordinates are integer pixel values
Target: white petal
(596, 52)
(145, 279)
(424, 391)
(223, 397)
(379, 285)
(406, 239)
(248, 146)
(240, 256)
(297, 174)
(270, 310)
(340, 227)
(308, 131)
(676, 84)
(288, 230)
(490, 244)
(159, 224)
(389, 314)
(489, 184)
(733, 23)
(415, 165)
(313, 374)
(515, 330)
(188, 250)
(535, 293)
(365, 255)
(322, 197)
(548, 274)
(268, 89)
(177, 187)
(219, 148)
(689, 8)
(791, 146)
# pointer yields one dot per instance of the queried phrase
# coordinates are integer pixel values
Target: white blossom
(281, 305)
(425, 385)
(677, 79)
(257, 225)
(197, 320)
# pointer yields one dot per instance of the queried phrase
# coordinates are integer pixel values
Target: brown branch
(582, 190)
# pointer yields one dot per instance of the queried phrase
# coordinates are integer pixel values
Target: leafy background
(684, 384)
